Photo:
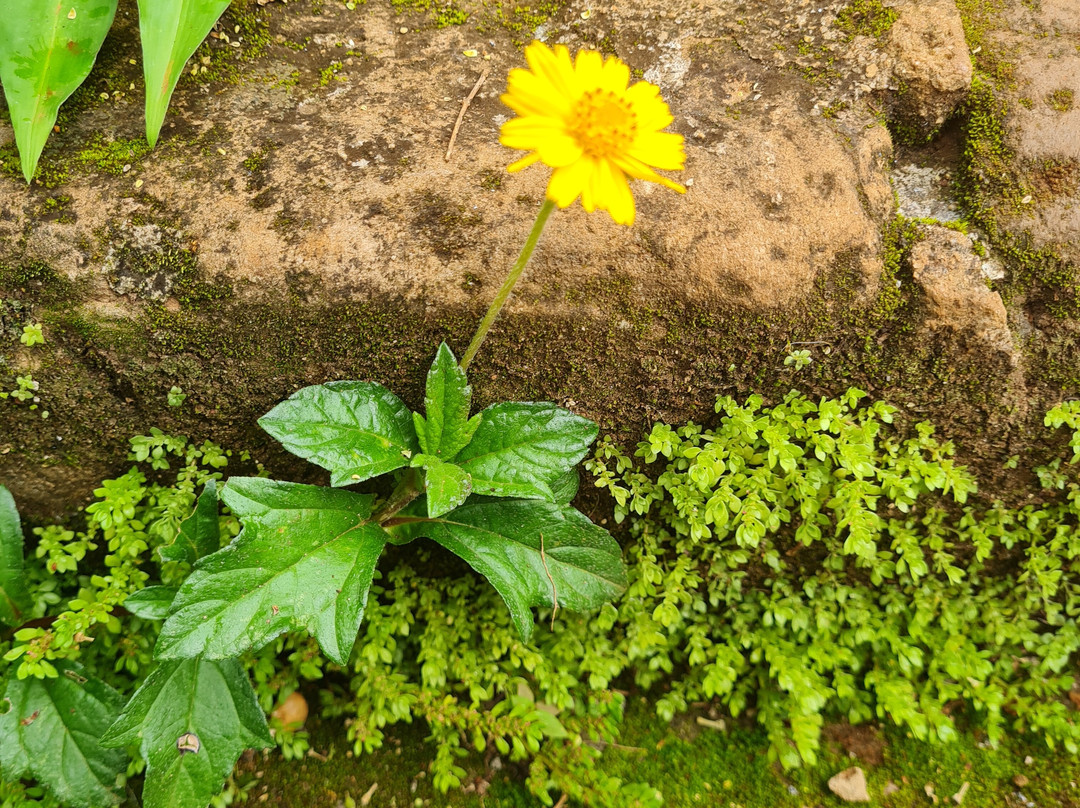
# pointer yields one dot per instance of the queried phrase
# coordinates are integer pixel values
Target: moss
(443, 13)
(37, 280)
(330, 73)
(865, 18)
(520, 19)
(113, 157)
(1060, 100)
(491, 180)
(991, 184)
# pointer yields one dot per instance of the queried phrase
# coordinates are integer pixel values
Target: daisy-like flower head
(584, 120)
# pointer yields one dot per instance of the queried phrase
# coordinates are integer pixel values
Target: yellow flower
(582, 119)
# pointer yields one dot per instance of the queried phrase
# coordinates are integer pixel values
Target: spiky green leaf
(15, 603)
(170, 31)
(447, 398)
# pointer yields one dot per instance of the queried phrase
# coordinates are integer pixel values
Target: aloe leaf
(171, 31)
(47, 49)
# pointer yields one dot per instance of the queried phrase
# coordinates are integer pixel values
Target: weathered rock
(850, 785)
(957, 297)
(932, 64)
(1042, 127)
(299, 222)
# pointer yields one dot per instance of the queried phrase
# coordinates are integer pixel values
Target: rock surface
(300, 222)
(932, 62)
(957, 296)
(850, 785)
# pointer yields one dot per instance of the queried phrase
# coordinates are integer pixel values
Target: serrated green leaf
(447, 399)
(151, 602)
(52, 733)
(355, 430)
(192, 718)
(445, 484)
(304, 559)
(199, 534)
(524, 449)
(533, 553)
(47, 49)
(15, 603)
(170, 30)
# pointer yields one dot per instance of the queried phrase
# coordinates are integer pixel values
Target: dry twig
(465, 106)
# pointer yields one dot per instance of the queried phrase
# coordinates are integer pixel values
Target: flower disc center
(602, 124)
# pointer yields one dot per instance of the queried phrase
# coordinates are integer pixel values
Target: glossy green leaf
(304, 559)
(355, 430)
(524, 449)
(447, 399)
(15, 604)
(533, 553)
(445, 484)
(47, 48)
(192, 718)
(199, 534)
(564, 489)
(51, 731)
(171, 30)
(151, 602)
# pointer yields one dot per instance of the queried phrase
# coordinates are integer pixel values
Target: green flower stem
(509, 283)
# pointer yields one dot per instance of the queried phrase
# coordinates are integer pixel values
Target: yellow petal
(616, 75)
(637, 169)
(554, 66)
(527, 132)
(529, 94)
(568, 182)
(524, 162)
(652, 113)
(613, 193)
(662, 150)
(588, 66)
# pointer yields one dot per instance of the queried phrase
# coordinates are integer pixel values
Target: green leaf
(447, 399)
(445, 484)
(47, 49)
(304, 559)
(524, 449)
(533, 553)
(51, 732)
(152, 602)
(199, 534)
(192, 718)
(15, 603)
(170, 30)
(566, 487)
(355, 430)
